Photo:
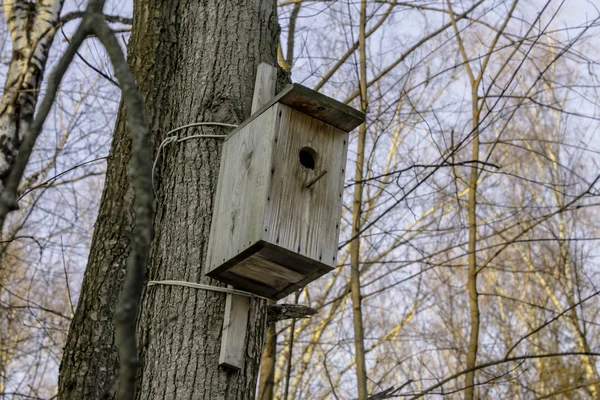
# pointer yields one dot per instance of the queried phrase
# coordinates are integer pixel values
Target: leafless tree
(467, 266)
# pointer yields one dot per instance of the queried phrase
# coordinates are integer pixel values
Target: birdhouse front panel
(279, 196)
(305, 193)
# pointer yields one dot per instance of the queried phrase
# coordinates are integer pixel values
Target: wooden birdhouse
(278, 204)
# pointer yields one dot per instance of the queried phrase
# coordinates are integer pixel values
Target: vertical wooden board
(255, 147)
(213, 249)
(306, 221)
(264, 86)
(242, 190)
(234, 331)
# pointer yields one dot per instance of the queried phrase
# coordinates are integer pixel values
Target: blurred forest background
(473, 187)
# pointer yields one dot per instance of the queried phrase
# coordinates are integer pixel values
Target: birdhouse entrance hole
(308, 157)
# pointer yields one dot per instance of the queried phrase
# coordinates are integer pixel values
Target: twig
(140, 175)
(109, 18)
(548, 322)
(502, 361)
(62, 251)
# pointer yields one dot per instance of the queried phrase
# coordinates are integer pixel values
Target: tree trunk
(266, 383)
(193, 62)
(470, 385)
(32, 28)
(357, 315)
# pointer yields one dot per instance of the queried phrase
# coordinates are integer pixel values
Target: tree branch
(9, 193)
(140, 175)
(497, 362)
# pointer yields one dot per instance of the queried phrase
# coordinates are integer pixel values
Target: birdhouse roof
(316, 105)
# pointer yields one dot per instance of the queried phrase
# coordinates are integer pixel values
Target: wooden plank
(300, 219)
(237, 307)
(314, 104)
(267, 272)
(323, 108)
(234, 331)
(242, 191)
(248, 285)
(264, 86)
(309, 269)
(292, 260)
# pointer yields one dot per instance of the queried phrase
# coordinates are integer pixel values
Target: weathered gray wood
(270, 273)
(276, 225)
(314, 104)
(310, 269)
(234, 331)
(237, 307)
(264, 86)
(306, 220)
(242, 190)
(262, 195)
(321, 107)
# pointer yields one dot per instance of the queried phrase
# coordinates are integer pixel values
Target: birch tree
(32, 27)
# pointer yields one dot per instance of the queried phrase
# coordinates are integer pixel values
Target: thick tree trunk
(193, 62)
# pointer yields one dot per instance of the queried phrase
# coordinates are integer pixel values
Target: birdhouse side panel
(242, 189)
(305, 193)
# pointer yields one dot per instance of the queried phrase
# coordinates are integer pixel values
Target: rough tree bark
(266, 383)
(193, 61)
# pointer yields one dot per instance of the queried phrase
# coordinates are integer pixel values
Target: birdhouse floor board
(262, 267)
(266, 272)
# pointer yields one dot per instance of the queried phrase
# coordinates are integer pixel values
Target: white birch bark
(32, 27)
